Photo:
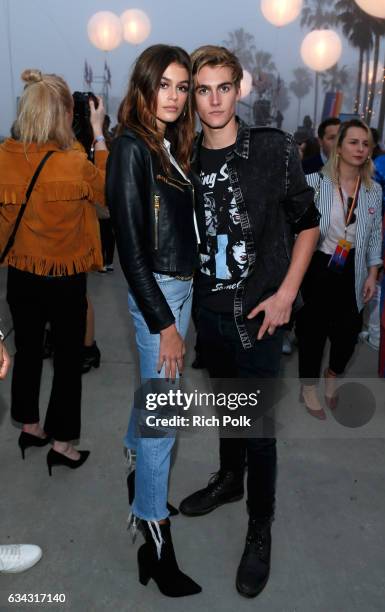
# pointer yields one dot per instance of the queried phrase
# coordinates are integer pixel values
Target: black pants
(330, 311)
(33, 301)
(107, 238)
(225, 357)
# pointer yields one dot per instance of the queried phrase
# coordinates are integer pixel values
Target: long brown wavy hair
(138, 109)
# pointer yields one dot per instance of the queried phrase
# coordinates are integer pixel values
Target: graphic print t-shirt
(226, 261)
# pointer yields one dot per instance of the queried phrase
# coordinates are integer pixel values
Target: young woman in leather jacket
(151, 198)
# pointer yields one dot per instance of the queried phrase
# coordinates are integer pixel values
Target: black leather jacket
(275, 203)
(152, 215)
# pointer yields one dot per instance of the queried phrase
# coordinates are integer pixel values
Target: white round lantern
(136, 26)
(105, 30)
(376, 8)
(246, 84)
(281, 12)
(321, 49)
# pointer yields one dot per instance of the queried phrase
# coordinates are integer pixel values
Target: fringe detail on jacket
(50, 266)
(52, 192)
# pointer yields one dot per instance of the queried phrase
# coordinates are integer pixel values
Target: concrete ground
(328, 536)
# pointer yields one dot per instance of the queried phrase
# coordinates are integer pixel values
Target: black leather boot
(161, 565)
(254, 568)
(223, 487)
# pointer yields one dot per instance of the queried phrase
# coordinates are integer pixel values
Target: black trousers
(33, 301)
(329, 311)
(225, 357)
(107, 238)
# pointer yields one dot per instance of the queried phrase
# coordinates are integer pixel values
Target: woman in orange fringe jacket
(56, 244)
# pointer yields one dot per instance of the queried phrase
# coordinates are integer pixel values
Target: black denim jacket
(275, 203)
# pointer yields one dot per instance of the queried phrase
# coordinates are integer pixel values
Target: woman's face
(172, 95)
(355, 147)
(239, 252)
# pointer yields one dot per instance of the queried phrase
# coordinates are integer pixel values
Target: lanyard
(350, 209)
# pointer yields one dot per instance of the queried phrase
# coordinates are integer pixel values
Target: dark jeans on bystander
(33, 301)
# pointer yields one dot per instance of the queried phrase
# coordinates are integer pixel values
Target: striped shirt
(368, 229)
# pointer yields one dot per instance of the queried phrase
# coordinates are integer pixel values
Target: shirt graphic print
(225, 262)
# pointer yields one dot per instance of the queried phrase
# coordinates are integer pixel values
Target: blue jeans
(153, 454)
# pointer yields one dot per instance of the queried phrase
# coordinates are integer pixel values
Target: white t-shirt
(336, 229)
(167, 146)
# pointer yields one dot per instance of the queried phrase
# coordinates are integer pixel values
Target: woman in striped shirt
(341, 278)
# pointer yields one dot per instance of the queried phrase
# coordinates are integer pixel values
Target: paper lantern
(321, 49)
(376, 8)
(136, 26)
(246, 84)
(105, 30)
(281, 12)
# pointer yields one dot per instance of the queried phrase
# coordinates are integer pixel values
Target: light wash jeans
(153, 454)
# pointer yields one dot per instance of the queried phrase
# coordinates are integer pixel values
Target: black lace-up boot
(223, 487)
(254, 568)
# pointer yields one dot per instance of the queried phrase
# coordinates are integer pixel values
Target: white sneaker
(18, 557)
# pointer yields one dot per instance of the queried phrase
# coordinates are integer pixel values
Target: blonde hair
(331, 168)
(43, 110)
(212, 55)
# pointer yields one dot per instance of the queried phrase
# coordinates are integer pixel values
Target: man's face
(329, 138)
(215, 96)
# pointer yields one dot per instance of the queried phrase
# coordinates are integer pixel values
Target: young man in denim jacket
(256, 200)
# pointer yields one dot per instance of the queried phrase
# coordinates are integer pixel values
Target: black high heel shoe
(162, 565)
(91, 358)
(26, 440)
(131, 494)
(55, 458)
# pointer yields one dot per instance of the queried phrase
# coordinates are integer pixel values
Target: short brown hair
(43, 108)
(211, 55)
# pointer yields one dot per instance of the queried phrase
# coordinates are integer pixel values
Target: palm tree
(242, 44)
(335, 79)
(378, 31)
(315, 16)
(263, 72)
(357, 27)
(301, 86)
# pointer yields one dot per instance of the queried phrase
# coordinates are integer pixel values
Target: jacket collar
(242, 143)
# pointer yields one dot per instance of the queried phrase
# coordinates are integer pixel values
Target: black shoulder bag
(11, 239)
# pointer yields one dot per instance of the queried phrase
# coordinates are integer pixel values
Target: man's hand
(277, 309)
(171, 352)
(5, 360)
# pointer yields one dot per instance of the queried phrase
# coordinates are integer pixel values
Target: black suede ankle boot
(156, 560)
(254, 568)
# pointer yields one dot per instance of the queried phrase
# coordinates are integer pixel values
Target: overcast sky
(52, 35)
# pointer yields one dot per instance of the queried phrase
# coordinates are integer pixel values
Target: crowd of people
(231, 214)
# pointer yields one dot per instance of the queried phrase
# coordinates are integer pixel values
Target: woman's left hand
(369, 288)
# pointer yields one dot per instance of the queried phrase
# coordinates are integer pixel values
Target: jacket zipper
(156, 213)
(173, 182)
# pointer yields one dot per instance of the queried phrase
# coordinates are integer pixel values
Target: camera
(81, 124)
